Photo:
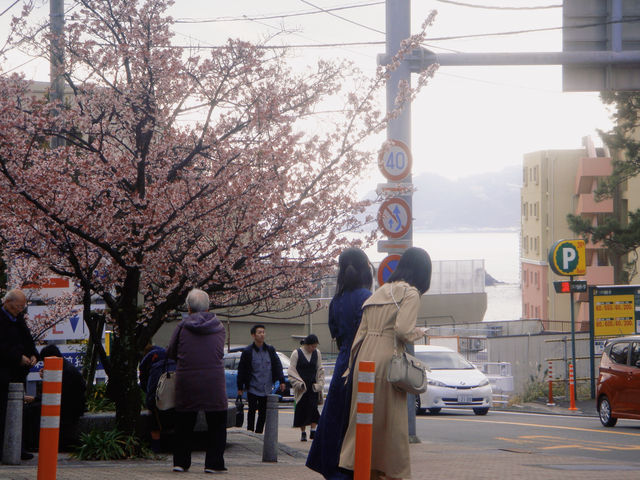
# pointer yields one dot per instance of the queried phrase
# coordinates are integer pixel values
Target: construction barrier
(572, 389)
(550, 402)
(50, 418)
(364, 420)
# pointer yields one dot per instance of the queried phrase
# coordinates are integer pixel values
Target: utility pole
(56, 62)
(398, 28)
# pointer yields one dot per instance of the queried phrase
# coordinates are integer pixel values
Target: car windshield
(444, 360)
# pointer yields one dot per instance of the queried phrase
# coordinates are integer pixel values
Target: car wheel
(419, 408)
(481, 411)
(434, 411)
(604, 408)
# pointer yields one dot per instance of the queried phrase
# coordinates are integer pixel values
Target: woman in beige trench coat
(390, 312)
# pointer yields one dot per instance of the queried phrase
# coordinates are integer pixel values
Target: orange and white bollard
(550, 402)
(50, 418)
(364, 420)
(572, 389)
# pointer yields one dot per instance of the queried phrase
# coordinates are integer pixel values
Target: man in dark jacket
(197, 344)
(72, 403)
(17, 351)
(258, 370)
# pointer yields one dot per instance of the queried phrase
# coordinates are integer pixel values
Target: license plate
(465, 399)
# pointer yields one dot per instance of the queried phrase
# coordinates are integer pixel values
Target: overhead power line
(342, 18)
(490, 7)
(9, 8)
(245, 18)
(535, 30)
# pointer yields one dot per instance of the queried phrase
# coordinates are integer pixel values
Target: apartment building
(556, 183)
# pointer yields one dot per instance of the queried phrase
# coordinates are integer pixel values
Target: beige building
(556, 183)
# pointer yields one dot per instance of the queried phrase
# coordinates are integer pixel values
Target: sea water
(500, 251)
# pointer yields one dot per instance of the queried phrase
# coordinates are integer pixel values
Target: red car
(618, 389)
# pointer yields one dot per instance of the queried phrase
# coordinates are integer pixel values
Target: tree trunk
(123, 386)
(123, 382)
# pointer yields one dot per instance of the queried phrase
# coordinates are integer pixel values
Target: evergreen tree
(620, 233)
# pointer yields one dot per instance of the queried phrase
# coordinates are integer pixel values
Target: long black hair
(414, 268)
(354, 271)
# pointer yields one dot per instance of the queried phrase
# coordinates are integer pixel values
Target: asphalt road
(533, 433)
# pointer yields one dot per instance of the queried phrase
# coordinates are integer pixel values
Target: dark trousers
(256, 403)
(216, 439)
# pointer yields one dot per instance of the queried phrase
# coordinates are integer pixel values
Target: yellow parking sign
(567, 257)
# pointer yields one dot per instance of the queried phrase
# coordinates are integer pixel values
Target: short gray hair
(197, 300)
(14, 294)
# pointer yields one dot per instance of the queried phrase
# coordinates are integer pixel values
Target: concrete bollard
(270, 439)
(12, 446)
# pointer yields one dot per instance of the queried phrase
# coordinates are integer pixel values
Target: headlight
(435, 383)
(484, 383)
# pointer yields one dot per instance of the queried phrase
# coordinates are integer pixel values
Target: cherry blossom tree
(225, 171)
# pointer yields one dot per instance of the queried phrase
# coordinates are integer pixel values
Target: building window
(535, 175)
(524, 176)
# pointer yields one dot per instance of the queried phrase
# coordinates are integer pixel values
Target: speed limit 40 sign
(394, 160)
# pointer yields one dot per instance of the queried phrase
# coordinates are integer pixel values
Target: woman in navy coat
(355, 278)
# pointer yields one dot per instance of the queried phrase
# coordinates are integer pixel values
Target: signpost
(386, 268)
(395, 160)
(394, 217)
(568, 258)
(614, 310)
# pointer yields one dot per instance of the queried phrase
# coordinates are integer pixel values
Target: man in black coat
(72, 403)
(17, 351)
(258, 370)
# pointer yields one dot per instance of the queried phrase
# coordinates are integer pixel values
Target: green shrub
(97, 400)
(110, 445)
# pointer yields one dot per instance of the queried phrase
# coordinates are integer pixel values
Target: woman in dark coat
(198, 346)
(355, 277)
(306, 376)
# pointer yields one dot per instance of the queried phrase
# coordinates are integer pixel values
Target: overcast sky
(468, 120)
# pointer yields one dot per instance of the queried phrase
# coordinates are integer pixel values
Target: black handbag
(239, 411)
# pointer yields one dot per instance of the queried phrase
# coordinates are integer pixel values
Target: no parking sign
(387, 267)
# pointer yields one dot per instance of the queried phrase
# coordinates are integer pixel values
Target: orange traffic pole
(50, 418)
(572, 389)
(364, 420)
(550, 402)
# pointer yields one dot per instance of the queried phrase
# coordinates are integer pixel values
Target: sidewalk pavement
(429, 460)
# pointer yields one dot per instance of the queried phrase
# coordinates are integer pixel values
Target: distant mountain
(484, 201)
(488, 200)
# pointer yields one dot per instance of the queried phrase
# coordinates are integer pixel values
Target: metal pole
(56, 62)
(573, 329)
(270, 439)
(12, 444)
(398, 28)
(592, 352)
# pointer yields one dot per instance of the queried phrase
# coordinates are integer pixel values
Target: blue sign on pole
(386, 268)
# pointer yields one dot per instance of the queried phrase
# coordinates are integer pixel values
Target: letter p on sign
(567, 257)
